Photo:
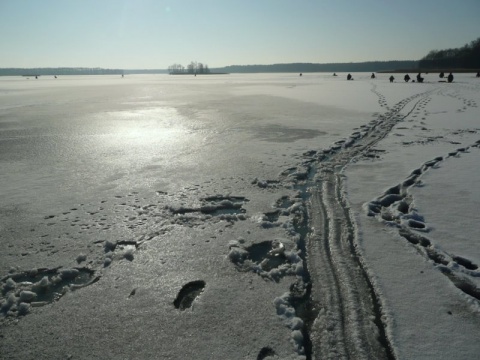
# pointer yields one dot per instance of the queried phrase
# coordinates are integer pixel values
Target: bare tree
(176, 69)
(192, 67)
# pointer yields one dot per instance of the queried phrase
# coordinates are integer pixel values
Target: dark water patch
(188, 294)
(284, 134)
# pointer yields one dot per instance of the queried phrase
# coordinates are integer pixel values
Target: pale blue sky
(153, 34)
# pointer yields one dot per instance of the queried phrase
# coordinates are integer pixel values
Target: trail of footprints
(395, 208)
(278, 258)
(466, 103)
(273, 259)
(23, 290)
(382, 101)
(268, 259)
(20, 291)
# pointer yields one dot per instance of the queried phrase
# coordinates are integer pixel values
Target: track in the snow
(349, 322)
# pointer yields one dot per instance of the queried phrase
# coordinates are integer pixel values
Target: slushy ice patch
(288, 213)
(284, 202)
(269, 259)
(214, 205)
(228, 208)
(188, 294)
(38, 287)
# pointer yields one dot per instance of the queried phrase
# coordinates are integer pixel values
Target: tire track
(349, 323)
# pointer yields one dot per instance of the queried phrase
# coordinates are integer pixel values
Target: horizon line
(216, 67)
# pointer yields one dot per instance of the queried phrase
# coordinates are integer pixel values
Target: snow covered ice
(239, 217)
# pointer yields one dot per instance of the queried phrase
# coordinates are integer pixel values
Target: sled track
(349, 324)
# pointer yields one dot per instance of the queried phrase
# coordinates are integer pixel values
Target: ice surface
(154, 183)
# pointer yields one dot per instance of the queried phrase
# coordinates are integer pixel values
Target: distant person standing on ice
(478, 74)
(391, 78)
(406, 78)
(349, 77)
(419, 78)
(373, 76)
(450, 77)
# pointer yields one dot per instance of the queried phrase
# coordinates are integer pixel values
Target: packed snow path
(349, 322)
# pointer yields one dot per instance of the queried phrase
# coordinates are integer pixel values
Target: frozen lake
(239, 217)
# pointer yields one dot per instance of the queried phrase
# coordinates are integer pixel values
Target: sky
(154, 34)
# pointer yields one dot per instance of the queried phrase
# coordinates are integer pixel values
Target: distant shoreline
(424, 70)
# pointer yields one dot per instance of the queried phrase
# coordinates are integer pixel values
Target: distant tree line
(371, 66)
(192, 68)
(465, 57)
(144, 71)
(57, 71)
